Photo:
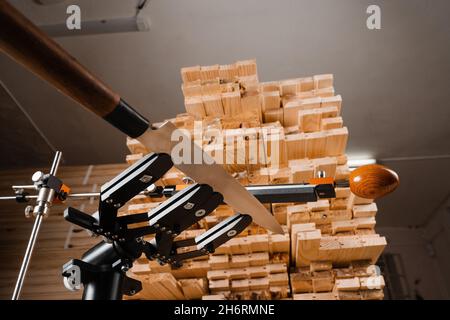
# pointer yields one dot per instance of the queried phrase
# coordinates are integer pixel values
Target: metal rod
(251, 189)
(55, 164)
(28, 186)
(33, 237)
(71, 195)
(14, 197)
(27, 257)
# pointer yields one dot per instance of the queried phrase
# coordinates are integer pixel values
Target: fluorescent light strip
(355, 163)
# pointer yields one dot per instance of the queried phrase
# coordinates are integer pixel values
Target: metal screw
(109, 201)
(231, 233)
(125, 268)
(188, 180)
(37, 176)
(117, 205)
(28, 211)
(132, 292)
(188, 206)
(200, 213)
(169, 232)
(163, 229)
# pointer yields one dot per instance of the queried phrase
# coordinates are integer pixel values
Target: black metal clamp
(102, 269)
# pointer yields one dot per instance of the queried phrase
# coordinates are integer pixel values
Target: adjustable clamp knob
(373, 181)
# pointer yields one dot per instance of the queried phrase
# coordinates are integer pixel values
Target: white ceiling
(394, 81)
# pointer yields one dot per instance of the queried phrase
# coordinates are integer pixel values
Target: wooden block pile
(358, 280)
(276, 132)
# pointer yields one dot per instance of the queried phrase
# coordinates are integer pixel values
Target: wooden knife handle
(373, 181)
(28, 45)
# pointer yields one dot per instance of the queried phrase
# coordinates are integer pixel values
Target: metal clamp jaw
(124, 242)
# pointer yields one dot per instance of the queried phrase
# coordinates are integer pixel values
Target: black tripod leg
(107, 286)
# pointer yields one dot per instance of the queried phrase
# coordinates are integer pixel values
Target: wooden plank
(192, 89)
(331, 123)
(320, 265)
(323, 81)
(189, 74)
(214, 297)
(211, 87)
(160, 286)
(228, 72)
(278, 279)
(329, 112)
(269, 86)
(302, 172)
(250, 102)
(231, 102)
(213, 105)
(270, 100)
(295, 146)
(219, 285)
(209, 72)
(193, 288)
(342, 172)
(194, 106)
(342, 192)
(324, 92)
(247, 67)
(309, 120)
(133, 158)
(301, 282)
(332, 101)
(289, 87)
(365, 210)
(239, 261)
(274, 115)
(192, 269)
(316, 145)
(326, 165)
(258, 258)
(316, 296)
(322, 281)
(336, 141)
(305, 84)
(135, 146)
(279, 243)
(218, 262)
(350, 284)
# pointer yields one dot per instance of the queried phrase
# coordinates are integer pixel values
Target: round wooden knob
(373, 181)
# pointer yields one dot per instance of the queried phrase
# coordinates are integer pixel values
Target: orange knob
(373, 181)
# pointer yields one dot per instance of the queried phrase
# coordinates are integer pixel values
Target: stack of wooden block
(277, 132)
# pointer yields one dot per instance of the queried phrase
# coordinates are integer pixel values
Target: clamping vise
(124, 235)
